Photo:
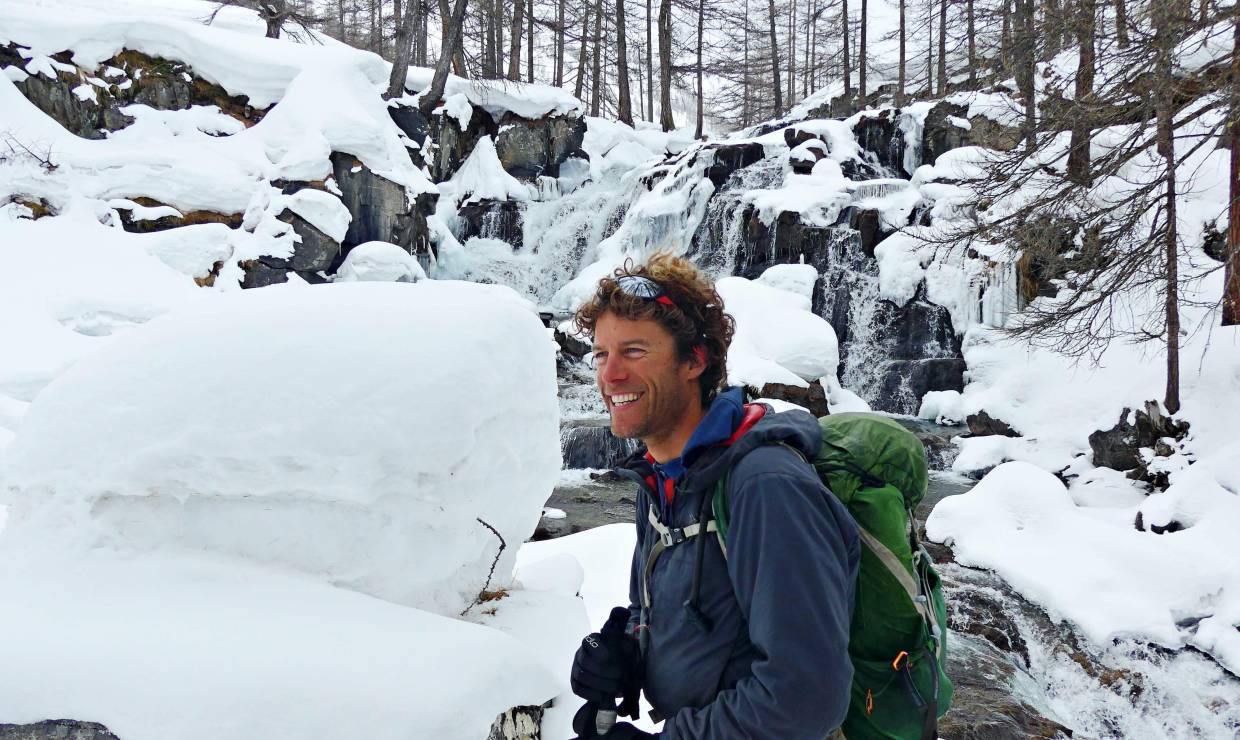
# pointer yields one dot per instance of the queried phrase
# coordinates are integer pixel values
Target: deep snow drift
(196, 507)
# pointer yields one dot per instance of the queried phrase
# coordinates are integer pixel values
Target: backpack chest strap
(667, 537)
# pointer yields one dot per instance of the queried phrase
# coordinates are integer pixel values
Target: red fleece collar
(753, 414)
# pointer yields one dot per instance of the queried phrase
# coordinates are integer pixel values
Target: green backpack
(897, 641)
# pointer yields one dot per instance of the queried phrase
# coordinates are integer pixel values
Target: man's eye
(634, 353)
(598, 358)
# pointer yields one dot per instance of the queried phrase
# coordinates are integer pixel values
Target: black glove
(606, 665)
(583, 725)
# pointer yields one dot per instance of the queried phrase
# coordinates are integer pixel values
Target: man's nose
(612, 370)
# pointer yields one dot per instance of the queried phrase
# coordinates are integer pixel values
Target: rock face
(528, 149)
(159, 83)
(729, 158)
(813, 398)
(382, 210)
(590, 444)
(983, 424)
(57, 729)
(491, 219)
(942, 134)
(880, 136)
(518, 723)
(1119, 447)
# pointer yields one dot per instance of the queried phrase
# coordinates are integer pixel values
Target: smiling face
(651, 393)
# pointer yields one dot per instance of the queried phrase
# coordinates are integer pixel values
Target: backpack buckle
(673, 536)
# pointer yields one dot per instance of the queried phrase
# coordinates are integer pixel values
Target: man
(751, 643)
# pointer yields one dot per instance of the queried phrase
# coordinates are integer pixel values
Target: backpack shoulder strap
(721, 506)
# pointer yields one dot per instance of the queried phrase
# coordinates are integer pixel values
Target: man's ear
(697, 363)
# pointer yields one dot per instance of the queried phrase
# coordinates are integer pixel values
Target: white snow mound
(356, 432)
(380, 261)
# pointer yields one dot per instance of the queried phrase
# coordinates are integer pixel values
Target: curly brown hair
(697, 319)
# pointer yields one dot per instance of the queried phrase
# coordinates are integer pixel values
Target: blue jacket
(774, 663)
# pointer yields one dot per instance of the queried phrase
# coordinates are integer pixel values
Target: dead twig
(486, 594)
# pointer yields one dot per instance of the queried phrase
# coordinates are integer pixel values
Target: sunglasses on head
(643, 287)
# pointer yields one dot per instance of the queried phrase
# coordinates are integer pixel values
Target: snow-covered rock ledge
(266, 514)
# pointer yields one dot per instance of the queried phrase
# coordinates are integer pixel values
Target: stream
(1017, 672)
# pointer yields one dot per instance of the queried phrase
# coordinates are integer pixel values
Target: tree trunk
(847, 44)
(806, 63)
(559, 43)
(665, 65)
(625, 112)
(498, 7)
(649, 65)
(430, 98)
(862, 59)
(745, 69)
(903, 59)
(1121, 23)
(792, 53)
(1005, 37)
(701, 93)
(579, 88)
(971, 31)
(529, 43)
(514, 50)
(779, 98)
(596, 83)
(942, 47)
(1026, 62)
(930, 48)
(1078, 149)
(273, 26)
(402, 53)
(1164, 43)
(1050, 27)
(1231, 273)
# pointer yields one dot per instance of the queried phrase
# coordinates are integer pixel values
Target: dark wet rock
(983, 424)
(991, 134)
(382, 210)
(518, 723)
(941, 133)
(187, 218)
(316, 251)
(590, 444)
(983, 706)
(414, 125)
(159, 83)
(813, 398)
(880, 136)
(867, 222)
(38, 207)
(491, 219)
(1168, 528)
(728, 158)
(982, 613)
(264, 271)
(1118, 447)
(571, 345)
(56, 729)
(803, 158)
(1214, 243)
(530, 148)
(452, 146)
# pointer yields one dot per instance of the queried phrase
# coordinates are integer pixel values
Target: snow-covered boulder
(357, 432)
(379, 261)
(778, 339)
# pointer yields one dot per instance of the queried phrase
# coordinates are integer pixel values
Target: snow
(191, 648)
(482, 177)
(498, 97)
(457, 106)
(379, 261)
(289, 410)
(777, 339)
(1102, 574)
(596, 564)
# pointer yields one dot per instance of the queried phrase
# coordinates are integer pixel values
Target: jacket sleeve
(793, 554)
